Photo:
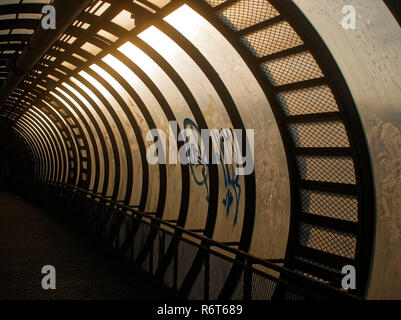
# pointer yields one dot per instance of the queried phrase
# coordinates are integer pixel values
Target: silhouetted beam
(40, 42)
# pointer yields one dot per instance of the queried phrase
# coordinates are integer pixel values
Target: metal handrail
(206, 242)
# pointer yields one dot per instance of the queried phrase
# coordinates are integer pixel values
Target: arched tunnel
(95, 110)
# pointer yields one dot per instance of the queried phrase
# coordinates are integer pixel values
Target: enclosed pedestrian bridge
(88, 88)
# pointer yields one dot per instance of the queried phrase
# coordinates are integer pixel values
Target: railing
(194, 266)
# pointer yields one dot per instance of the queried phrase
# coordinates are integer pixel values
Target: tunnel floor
(31, 238)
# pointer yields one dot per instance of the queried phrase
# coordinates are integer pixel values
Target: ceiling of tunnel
(90, 24)
(18, 21)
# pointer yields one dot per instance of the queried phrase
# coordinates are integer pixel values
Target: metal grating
(140, 238)
(168, 277)
(215, 3)
(292, 295)
(197, 291)
(262, 288)
(245, 13)
(271, 40)
(238, 293)
(322, 134)
(331, 241)
(296, 68)
(311, 276)
(329, 205)
(186, 256)
(320, 265)
(219, 270)
(308, 101)
(327, 169)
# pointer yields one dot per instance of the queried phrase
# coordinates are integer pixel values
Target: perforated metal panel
(308, 101)
(322, 134)
(291, 69)
(244, 14)
(272, 39)
(331, 241)
(327, 169)
(330, 205)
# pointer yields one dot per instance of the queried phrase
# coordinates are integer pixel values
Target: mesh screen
(124, 229)
(140, 238)
(244, 14)
(291, 69)
(330, 205)
(145, 264)
(331, 241)
(320, 265)
(327, 169)
(308, 101)
(197, 291)
(157, 247)
(215, 3)
(186, 256)
(322, 134)
(311, 276)
(293, 295)
(262, 288)
(238, 293)
(270, 40)
(219, 270)
(168, 278)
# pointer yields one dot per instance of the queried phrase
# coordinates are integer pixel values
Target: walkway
(85, 269)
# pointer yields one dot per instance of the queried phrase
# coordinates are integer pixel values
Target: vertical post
(151, 259)
(162, 241)
(132, 232)
(247, 290)
(207, 277)
(175, 271)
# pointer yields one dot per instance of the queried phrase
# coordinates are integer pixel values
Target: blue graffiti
(200, 171)
(195, 161)
(231, 181)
